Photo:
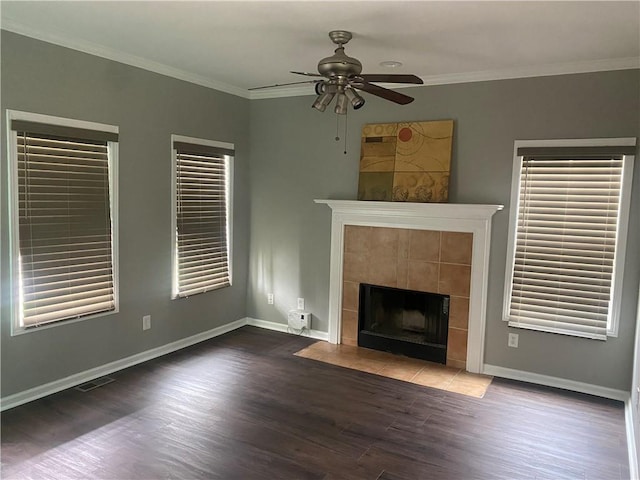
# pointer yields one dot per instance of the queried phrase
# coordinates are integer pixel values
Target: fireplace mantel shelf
(433, 210)
(447, 217)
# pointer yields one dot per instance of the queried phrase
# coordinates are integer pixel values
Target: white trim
(624, 63)
(230, 168)
(632, 448)
(122, 57)
(450, 217)
(113, 149)
(14, 241)
(81, 377)
(615, 301)
(556, 382)
(283, 327)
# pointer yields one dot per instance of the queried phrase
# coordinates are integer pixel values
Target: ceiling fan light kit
(356, 100)
(323, 100)
(342, 103)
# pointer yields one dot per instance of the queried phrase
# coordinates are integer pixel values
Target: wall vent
(98, 382)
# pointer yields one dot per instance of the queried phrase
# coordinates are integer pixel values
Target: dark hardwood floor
(242, 406)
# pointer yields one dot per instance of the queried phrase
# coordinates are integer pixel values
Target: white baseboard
(87, 375)
(283, 327)
(40, 391)
(557, 382)
(630, 422)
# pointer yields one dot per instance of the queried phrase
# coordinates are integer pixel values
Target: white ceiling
(235, 45)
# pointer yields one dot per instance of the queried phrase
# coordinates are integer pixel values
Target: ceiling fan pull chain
(345, 131)
(337, 128)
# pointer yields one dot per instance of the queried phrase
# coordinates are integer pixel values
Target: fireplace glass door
(404, 321)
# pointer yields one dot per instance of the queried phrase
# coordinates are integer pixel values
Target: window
(202, 212)
(570, 206)
(63, 228)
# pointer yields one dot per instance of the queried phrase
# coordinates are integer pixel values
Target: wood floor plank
(242, 406)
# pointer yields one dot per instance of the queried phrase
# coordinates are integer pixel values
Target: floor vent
(98, 382)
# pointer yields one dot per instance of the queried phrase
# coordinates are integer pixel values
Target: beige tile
(383, 242)
(344, 349)
(377, 355)
(470, 384)
(383, 271)
(424, 245)
(454, 279)
(323, 353)
(399, 372)
(401, 368)
(402, 272)
(357, 363)
(459, 312)
(355, 268)
(350, 296)
(474, 378)
(453, 363)
(422, 276)
(468, 389)
(403, 243)
(408, 362)
(457, 344)
(349, 326)
(322, 346)
(455, 247)
(436, 377)
(356, 239)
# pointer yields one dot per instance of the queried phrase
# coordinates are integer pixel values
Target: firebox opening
(407, 322)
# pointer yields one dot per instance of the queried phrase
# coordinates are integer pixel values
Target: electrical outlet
(146, 322)
(513, 340)
(270, 298)
(301, 304)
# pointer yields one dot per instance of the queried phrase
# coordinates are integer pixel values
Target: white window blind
(64, 223)
(565, 239)
(202, 248)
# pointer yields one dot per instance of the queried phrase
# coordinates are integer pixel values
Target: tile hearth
(410, 370)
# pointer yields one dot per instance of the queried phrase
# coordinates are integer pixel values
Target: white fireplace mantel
(450, 217)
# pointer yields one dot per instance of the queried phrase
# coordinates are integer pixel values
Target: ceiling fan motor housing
(339, 65)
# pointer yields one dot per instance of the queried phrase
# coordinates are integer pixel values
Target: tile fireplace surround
(436, 247)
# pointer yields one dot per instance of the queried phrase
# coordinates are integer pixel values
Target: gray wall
(294, 159)
(43, 78)
(286, 157)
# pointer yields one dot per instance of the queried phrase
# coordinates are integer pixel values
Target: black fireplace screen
(404, 321)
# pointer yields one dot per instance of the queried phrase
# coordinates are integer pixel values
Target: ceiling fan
(341, 77)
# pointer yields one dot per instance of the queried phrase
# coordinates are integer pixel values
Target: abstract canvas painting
(406, 161)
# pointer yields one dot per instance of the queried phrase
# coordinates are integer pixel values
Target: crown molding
(625, 63)
(122, 57)
(546, 70)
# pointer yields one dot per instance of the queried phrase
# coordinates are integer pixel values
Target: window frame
(13, 193)
(229, 167)
(613, 320)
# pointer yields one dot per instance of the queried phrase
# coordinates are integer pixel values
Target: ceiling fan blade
(307, 74)
(392, 78)
(385, 93)
(282, 84)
